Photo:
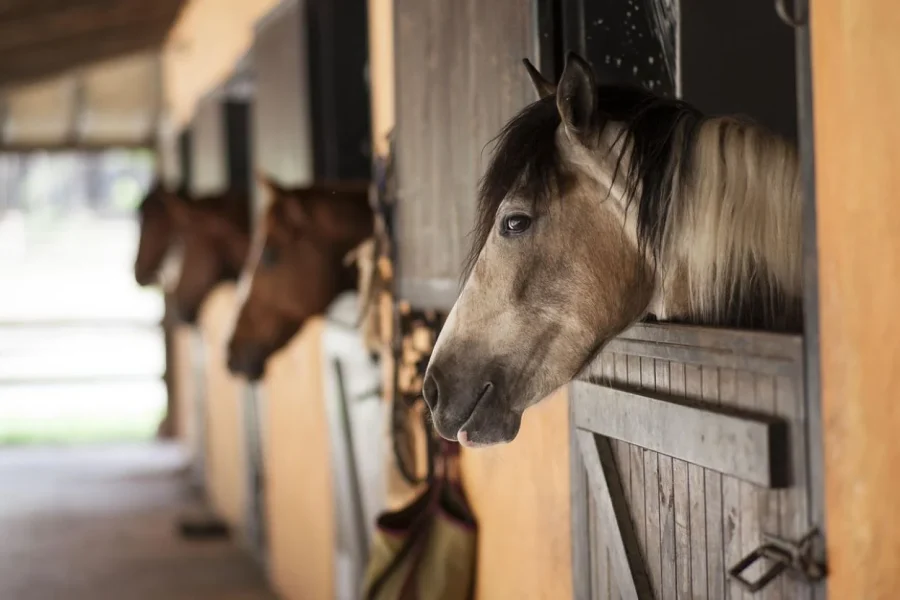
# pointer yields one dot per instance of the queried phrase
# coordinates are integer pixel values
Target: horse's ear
(543, 87)
(292, 211)
(576, 98)
(270, 184)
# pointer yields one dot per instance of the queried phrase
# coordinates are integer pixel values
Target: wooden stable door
(689, 455)
(695, 452)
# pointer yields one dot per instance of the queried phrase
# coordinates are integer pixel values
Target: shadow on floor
(99, 523)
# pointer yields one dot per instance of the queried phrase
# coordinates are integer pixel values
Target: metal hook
(792, 20)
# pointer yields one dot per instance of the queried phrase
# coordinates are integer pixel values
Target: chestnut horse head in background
(297, 267)
(214, 233)
(156, 235)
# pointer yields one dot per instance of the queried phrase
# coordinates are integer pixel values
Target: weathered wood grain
(715, 569)
(731, 495)
(735, 444)
(768, 503)
(750, 534)
(697, 498)
(626, 563)
(668, 583)
(653, 541)
(637, 498)
(682, 502)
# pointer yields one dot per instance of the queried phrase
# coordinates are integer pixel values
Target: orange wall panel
(225, 456)
(856, 87)
(184, 388)
(299, 493)
(520, 495)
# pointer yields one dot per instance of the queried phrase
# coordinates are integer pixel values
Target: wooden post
(856, 87)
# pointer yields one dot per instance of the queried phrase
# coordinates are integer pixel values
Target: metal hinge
(796, 557)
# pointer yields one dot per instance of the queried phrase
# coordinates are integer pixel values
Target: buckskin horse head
(602, 205)
(297, 266)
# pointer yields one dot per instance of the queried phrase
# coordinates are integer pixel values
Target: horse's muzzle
(452, 405)
(246, 361)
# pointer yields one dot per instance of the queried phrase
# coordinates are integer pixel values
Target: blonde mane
(733, 235)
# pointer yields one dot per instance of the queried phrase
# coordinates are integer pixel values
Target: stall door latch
(782, 555)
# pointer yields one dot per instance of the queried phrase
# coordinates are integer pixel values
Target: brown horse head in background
(156, 235)
(214, 232)
(297, 267)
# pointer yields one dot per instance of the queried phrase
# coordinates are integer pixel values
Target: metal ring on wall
(792, 20)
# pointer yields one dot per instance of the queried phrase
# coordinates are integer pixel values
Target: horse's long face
(294, 272)
(156, 233)
(213, 246)
(557, 274)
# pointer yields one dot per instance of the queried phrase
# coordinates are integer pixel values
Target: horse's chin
(489, 426)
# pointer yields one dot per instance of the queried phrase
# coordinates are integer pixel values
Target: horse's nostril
(246, 362)
(431, 390)
(187, 315)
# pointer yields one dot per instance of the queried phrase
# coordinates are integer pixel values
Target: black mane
(526, 159)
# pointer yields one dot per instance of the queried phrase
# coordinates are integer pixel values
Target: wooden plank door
(689, 448)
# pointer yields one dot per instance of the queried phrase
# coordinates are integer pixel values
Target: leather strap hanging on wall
(428, 548)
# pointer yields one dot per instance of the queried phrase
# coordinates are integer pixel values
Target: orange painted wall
(299, 496)
(183, 373)
(856, 85)
(520, 495)
(225, 459)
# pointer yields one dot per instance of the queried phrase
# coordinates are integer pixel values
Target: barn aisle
(98, 523)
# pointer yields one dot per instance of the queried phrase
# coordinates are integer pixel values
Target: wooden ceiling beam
(36, 65)
(43, 38)
(78, 21)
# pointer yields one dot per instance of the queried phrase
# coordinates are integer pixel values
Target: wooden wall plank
(731, 496)
(715, 572)
(794, 518)
(682, 502)
(668, 584)
(652, 545)
(692, 355)
(627, 564)
(697, 498)
(736, 444)
(637, 499)
(768, 500)
(621, 449)
(750, 537)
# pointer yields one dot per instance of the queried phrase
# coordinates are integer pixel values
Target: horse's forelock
(658, 134)
(525, 161)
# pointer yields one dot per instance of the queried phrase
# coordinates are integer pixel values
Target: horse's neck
(733, 238)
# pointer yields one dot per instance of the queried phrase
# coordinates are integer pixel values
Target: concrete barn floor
(99, 523)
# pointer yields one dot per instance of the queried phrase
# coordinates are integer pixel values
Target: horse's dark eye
(269, 256)
(515, 224)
